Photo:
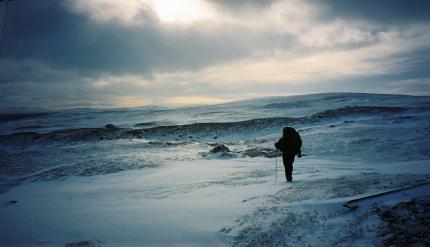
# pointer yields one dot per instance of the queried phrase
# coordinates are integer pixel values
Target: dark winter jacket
(290, 143)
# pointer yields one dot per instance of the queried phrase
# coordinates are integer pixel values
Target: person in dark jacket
(290, 144)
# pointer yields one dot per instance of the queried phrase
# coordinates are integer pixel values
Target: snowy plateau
(147, 177)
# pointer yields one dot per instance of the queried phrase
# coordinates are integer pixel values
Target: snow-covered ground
(154, 182)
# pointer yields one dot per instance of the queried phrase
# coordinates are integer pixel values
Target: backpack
(290, 142)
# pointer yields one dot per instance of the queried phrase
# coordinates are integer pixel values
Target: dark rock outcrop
(110, 126)
(261, 152)
(220, 148)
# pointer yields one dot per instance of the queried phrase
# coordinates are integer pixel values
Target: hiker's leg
(291, 164)
(288, 165)
(285, 162)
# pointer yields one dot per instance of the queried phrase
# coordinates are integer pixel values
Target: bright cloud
(184, 11)
(109, 10)
(128, 12)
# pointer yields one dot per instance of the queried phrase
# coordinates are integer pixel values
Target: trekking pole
(276, 164)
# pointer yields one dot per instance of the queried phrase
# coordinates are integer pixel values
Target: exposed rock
(260, 152)
(30, 127)
(135, 132)
(9, 203)
(85, 243)
(220, 148)
(110, 126)
(351, 110)
(155, 123)
(406, 223)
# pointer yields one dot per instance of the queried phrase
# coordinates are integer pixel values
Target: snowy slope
(151, 180)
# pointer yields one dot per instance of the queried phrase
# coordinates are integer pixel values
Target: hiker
(290, 145)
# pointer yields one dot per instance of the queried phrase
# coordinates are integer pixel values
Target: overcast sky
(111, 53)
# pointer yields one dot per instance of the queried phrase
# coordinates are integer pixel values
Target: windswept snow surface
(151, 180)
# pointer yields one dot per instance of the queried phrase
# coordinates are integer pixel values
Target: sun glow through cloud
(181, 11)
(194, 100)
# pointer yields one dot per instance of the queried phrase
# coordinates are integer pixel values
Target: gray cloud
(48, 32)
(55, 56)
(382, 11)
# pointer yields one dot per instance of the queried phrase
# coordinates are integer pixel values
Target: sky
(107, 53)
